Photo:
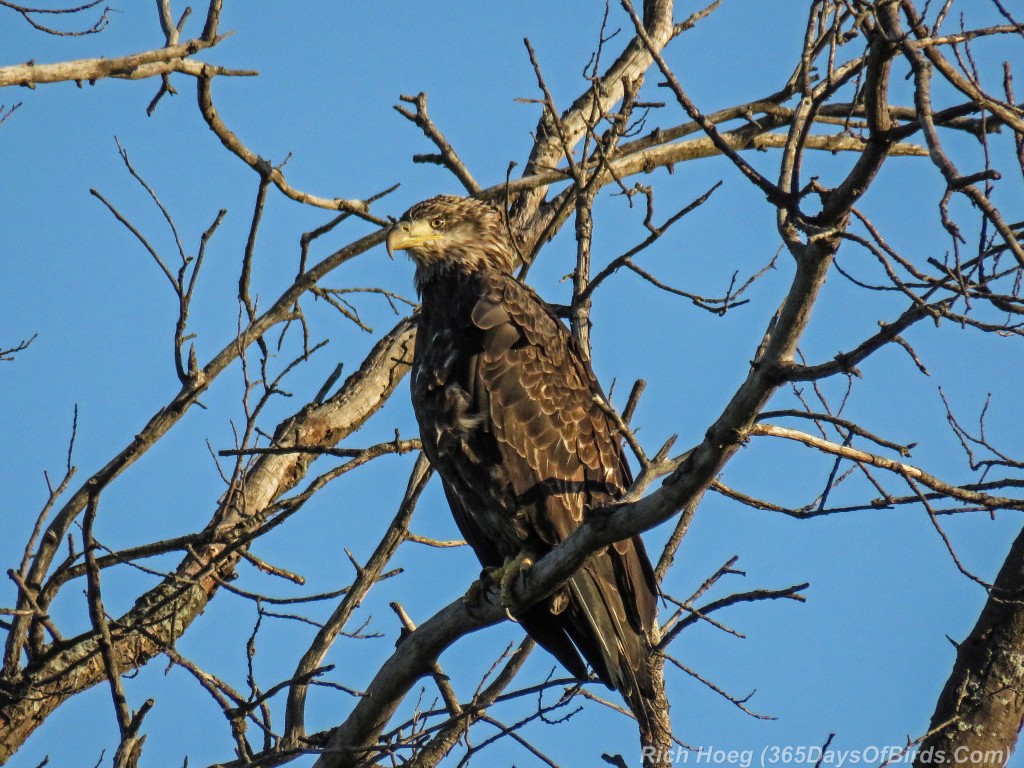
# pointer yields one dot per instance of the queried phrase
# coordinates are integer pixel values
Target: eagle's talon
(504, 577)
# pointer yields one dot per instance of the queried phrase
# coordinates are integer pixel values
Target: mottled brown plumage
(507, 414)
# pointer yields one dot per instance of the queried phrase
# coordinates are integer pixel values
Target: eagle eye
(437, 222)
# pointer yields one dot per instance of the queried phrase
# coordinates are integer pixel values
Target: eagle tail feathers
(600, 628)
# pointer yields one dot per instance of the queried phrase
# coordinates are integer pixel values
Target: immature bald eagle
(508, 418)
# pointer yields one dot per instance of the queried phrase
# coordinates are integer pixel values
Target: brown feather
(507, 413)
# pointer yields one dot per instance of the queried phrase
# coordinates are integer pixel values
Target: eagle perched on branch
(509, 417)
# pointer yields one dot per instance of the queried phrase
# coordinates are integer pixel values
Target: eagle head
(453, 233)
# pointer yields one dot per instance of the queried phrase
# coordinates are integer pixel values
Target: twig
(448, 158)
(263, 167)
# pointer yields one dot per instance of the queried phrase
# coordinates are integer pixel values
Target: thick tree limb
(631, 64)
(158, 426)
(358, 733)
(979, 713)
(136, 66)
(39, 674)
(166, 610)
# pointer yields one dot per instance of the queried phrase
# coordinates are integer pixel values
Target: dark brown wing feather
(563, 457)
(508, 415)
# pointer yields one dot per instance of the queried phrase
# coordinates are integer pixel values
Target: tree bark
(980, 710)
(162, 614)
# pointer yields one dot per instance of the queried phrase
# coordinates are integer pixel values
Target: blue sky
(864, 657)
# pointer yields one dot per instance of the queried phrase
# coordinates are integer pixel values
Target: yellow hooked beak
(409, 234)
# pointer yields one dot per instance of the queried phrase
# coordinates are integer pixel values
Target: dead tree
(632, 115)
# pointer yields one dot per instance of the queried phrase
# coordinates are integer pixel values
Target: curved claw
(505, 577)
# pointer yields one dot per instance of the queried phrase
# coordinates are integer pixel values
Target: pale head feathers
(454, 233)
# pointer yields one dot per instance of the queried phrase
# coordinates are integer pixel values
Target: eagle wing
(561, 454)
